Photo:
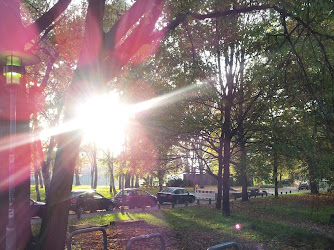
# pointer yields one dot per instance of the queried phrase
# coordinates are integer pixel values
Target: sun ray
(103, 118)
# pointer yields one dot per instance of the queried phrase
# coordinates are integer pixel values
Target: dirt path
(119, 234)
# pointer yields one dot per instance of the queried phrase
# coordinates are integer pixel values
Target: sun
(104, 120)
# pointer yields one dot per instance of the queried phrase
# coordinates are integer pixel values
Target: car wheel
(192, 200)
(110, 207)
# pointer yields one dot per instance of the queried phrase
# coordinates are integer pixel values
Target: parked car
(303, 185)
(134, 197)
(89, 200)
(37, 208)
(176, 195)
(257, 192)
(234, 194)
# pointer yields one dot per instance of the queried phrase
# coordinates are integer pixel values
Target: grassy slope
(298, 221)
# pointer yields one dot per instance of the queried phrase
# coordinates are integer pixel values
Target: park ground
(293, 221)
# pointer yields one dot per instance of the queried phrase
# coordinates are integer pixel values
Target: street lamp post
(13, 70)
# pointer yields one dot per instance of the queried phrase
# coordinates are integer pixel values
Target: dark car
(37, 208)
(134, 197)
(303, 186)
(175, 195)
(89, 200)
(257, 192)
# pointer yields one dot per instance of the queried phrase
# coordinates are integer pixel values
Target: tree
(90, 65)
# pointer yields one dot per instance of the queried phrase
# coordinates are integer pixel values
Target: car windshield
(80, 193)
(168, 190)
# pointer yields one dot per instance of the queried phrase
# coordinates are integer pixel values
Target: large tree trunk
(54, 223)
(226, 162)
(227, 130)
(47, 163)
(312, 166)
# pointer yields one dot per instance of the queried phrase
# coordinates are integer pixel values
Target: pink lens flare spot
(237, 226)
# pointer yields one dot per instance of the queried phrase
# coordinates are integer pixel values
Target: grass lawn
(292, 221)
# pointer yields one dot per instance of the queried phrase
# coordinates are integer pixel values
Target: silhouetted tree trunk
(46, 166)
(275, 169)
(77, 177)
(161, 179)
(112, 188)
(137, 181)
(37, 184)
(127, 180)
(120, 181)
(243, 172)
(40, 178)
(132, 181)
